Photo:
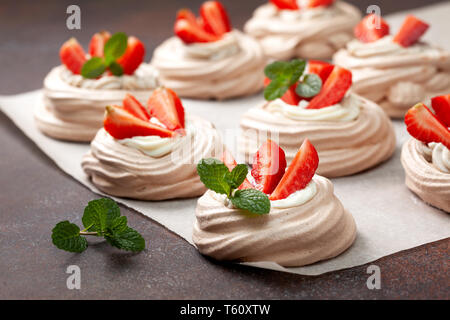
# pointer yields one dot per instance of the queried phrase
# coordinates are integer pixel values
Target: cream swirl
(423, 176)
(344, 147)
(394, 76)
(297, 198)
(230, 67)
(295, 236)
(346, 110)
(312, 33)
(437, 154)
(119, 170)
(73, 113)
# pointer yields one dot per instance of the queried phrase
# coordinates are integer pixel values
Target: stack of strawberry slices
(150, 151)
(306, 222)
(75, 93)
(426, 157)
(207, 58)
(395, 70)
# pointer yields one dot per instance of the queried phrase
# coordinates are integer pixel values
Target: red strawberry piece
(441, 107)
(121, 124)
(410, 31)
(133, 56)
(319, 3)
(133, 106)
(290, 96)
(72, 55)
(422, 124)
(230, 163)
(285, 4)
(165, 105)
(268, 167)
(321, 68)
(215, 18)
(333, 90)
(190, 32)
(299, 173)
(187, 15)
(97, 43)
(367, 31)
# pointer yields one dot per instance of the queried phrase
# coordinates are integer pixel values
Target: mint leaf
(115, 47)
(251, 200)
(99, 213)
(115, 68)
(309, 86)
(93, 68)
(283, 75)
(128, 239)
(214, 175)
(66, 236)
(118, 225)
(237, 175)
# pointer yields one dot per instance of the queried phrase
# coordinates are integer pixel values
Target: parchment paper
(389, 217)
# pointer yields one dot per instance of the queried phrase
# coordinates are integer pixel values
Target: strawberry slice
(133, 106)
(321, 68)
(333, 90)
(285, 4)
(190, 32)
(410, 31)
(299, 173)
(187, 15)
(133, 56)
(215, 18)
(441, 106)
(319, 3)
(290, 96)
(165, 105)
(121, 125)
(422, 124)
(268, 167)
(230, 163)
(366, 30)
(72, 55)
(97, 43)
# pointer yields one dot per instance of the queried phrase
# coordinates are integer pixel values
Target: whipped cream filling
(346, 110)
(297, 198)
(217, 50)
(437, 154)
(145, 77)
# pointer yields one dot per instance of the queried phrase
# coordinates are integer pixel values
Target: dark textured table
(35, 194)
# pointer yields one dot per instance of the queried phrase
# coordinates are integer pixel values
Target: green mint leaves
(284, 75)
(114, 48)
(216, 177)
(101, 218)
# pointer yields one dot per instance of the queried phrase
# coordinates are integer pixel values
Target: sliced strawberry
(410, 31)
(187, 15)
(165, 105)
(367, 31)
(290, 97)
(190, 32)
(121, 124)
(333, 90)
(133, 56)
(97, 43)
(299, 173)
(422, 124)
(215, 18)
(285, 4)
(228, 160)
(268, 167)
(321, 68)
(441, 106)
(319, 3)
(72, 55)
(133, 106)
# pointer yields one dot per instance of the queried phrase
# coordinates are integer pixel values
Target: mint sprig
(114, 48)
(101, 218)
(216, 177)
(285, 74)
